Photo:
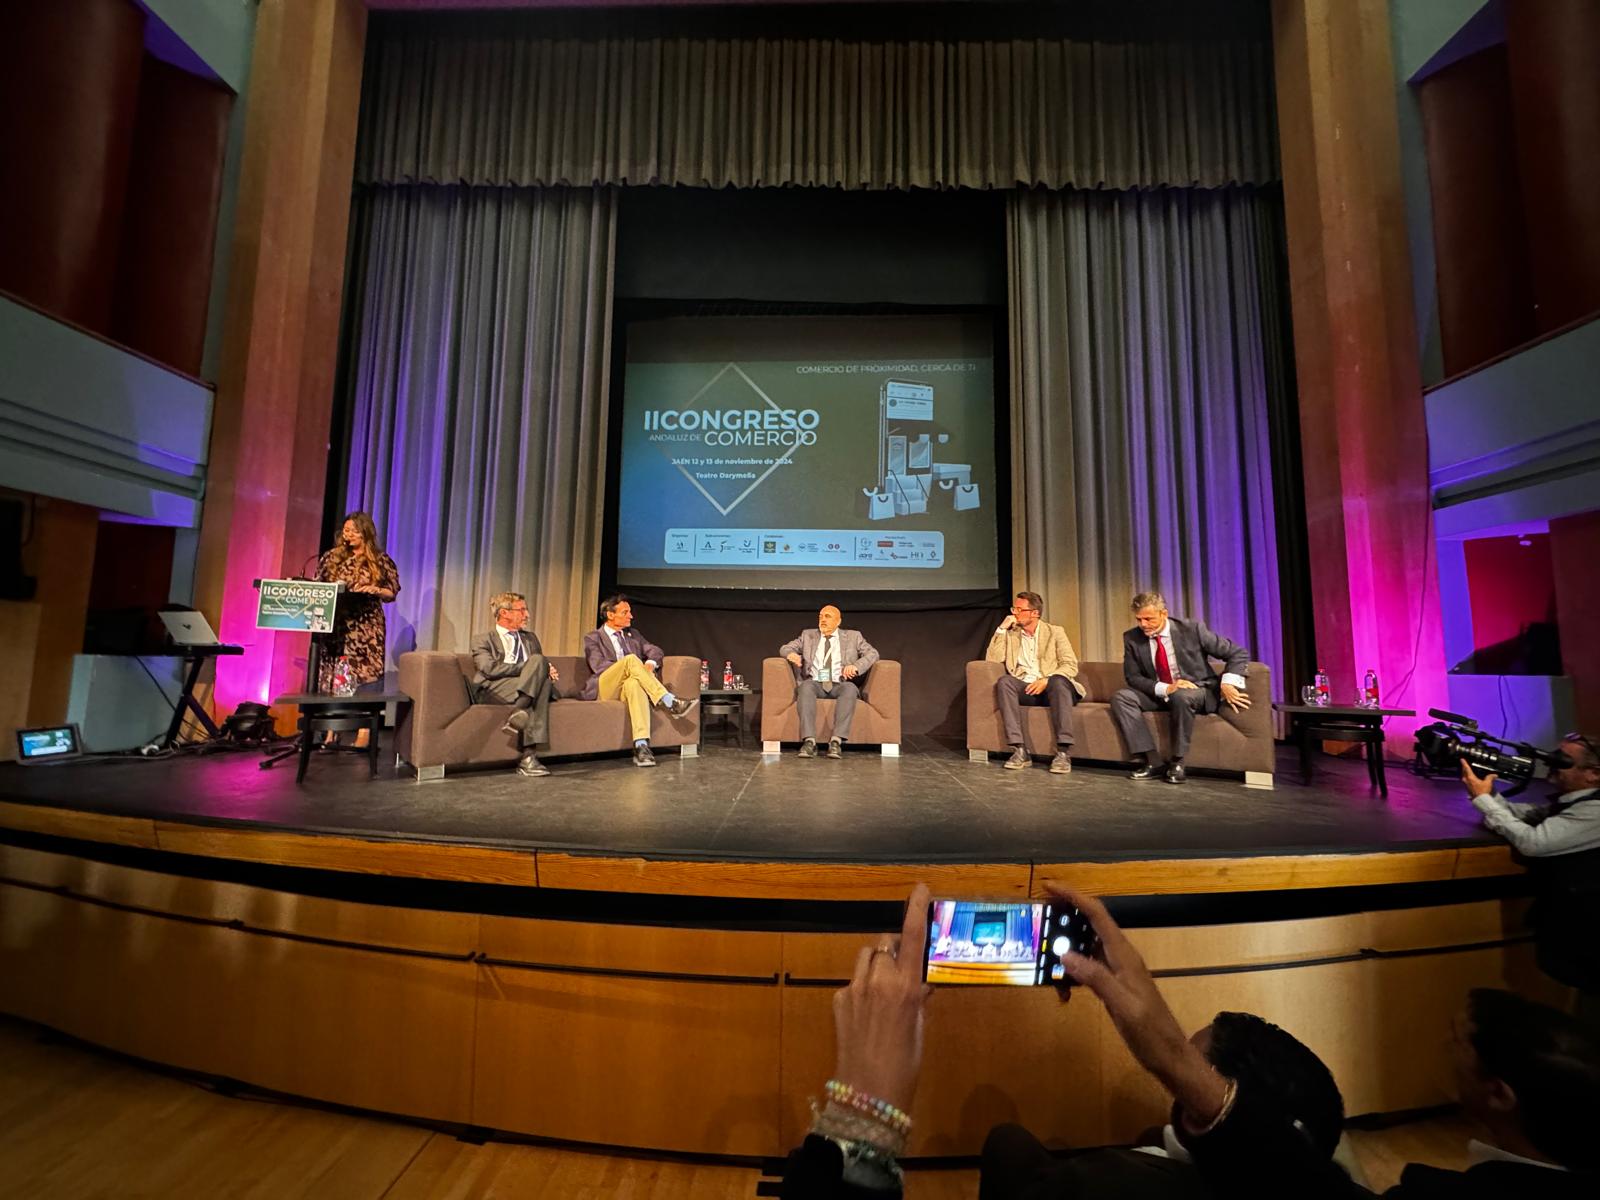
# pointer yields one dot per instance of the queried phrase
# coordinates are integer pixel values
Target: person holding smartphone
(1255, 1112)
(861, 1122)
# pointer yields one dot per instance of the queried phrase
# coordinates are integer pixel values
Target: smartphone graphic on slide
(999, 942)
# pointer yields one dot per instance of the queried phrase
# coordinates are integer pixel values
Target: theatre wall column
(1554, 51)
(1369, 519)
(269, 441)
(1575, 560)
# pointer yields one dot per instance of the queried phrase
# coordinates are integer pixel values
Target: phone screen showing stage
(997, 942)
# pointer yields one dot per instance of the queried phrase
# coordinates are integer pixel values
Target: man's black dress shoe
(1145, 772)
(1176, 773)
(517, 721)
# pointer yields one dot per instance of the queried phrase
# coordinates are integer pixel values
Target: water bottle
(1369, 690)
(1324, 691)
(705, 676)
(727, 675)
(344, 683)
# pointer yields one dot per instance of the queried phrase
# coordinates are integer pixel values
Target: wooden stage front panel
(704, 1040)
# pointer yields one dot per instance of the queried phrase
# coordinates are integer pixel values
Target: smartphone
(1003, 942)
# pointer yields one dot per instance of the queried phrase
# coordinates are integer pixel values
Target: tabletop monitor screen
(850, 453)
(47, 744)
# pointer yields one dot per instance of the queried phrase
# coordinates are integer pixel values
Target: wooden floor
(76, 1123)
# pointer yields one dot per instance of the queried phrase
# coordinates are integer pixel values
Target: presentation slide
(851, 453)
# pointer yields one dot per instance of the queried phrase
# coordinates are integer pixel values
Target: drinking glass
(1308, 694)
(738, 683)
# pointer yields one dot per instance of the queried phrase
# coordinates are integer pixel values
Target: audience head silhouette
(1529, 1072)
(1274, 1065)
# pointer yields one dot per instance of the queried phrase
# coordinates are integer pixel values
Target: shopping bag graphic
(966, 496)
(880, 505)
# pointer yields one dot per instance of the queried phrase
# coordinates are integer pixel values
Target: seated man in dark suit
(829, 660)
(1167, 663)
(1530, 1075)
(511, 669)
(623, 664)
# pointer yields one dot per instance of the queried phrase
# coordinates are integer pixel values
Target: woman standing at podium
(371, 581)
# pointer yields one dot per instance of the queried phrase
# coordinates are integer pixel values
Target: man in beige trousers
(1041, 668)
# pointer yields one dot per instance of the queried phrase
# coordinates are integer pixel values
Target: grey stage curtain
(1146, 362)
(502, 107)
(478, 353)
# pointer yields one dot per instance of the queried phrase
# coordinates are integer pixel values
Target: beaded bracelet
(879, 1110)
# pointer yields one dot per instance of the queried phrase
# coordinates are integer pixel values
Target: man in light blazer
(626, 665)
(1167, 663)
(1041, 668)
(511, 669)
(829, 660)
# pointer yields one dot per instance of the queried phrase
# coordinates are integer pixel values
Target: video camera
(1442, 745)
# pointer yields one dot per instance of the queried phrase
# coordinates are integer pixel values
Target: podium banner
(296, 605)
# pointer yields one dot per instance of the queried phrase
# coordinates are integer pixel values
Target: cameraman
(1561, 840)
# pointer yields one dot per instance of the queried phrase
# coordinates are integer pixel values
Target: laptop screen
(189, 628)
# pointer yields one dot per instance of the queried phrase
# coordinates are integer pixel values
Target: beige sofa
(877, 719)
(443, 728)
(1228, 741)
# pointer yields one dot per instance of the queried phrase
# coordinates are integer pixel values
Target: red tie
(1163, 667)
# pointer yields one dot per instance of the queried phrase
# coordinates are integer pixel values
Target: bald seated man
(829, 660)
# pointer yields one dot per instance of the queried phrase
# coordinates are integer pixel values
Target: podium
(301, 606)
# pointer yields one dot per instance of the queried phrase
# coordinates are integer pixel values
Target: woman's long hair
(370, 549)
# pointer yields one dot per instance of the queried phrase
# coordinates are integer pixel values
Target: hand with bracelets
(877, 1022)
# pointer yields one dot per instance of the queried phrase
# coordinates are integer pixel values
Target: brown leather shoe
(642, 757)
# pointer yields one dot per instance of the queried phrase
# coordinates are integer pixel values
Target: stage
(674, 936)
(929, 805)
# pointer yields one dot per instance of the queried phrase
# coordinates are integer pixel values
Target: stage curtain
(1147, 365)
(478, 349)
(502, 107)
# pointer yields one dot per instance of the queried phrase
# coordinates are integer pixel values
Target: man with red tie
(1167, 663)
